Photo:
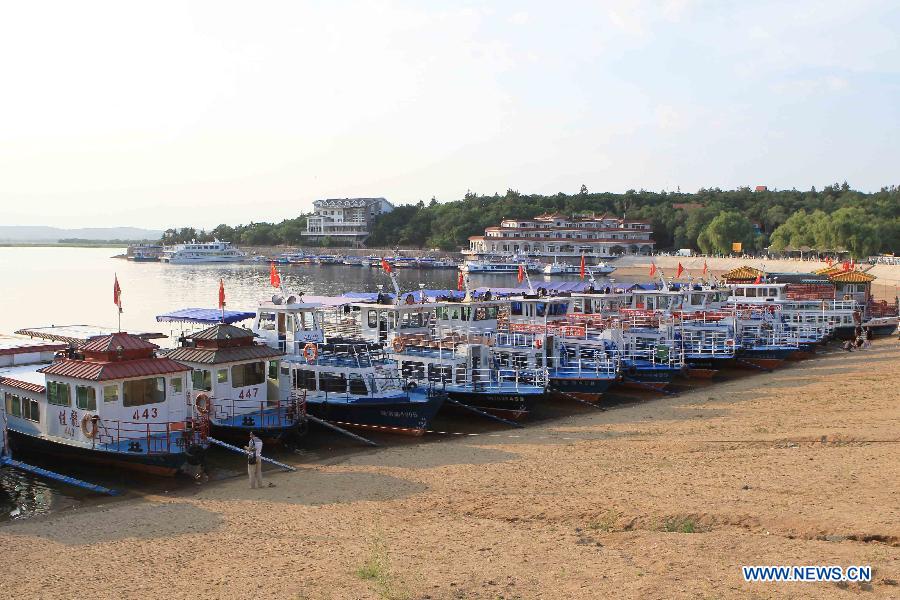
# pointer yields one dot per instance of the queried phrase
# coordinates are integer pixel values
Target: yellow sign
(736, 246)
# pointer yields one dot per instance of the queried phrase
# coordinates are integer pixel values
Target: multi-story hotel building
(554, 235)
(347, 219)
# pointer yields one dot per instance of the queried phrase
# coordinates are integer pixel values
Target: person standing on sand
(254, 461)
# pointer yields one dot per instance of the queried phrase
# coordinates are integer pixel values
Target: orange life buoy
(203, 403)
(310, 352)
(397, 344)
(92, 431)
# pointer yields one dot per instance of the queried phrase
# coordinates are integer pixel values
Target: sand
(662, 498)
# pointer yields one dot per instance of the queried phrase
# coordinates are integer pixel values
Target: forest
(835, 218)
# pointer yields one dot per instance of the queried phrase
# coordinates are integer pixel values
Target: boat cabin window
(85, 397)
(739, 291)
(373, 319)
(177, 386)
(332, 382)
(305, 379)
(201, 379)
(111, 393)
(222, 376)
(248, 374)
(13, 405)
(273, 369)
(267, 321)
(357, 385)
(515, 308)
(411, 320)
(58, 393)
(144, 391)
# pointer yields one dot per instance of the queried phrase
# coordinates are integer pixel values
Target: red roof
(25, 348)
(112, 343)
(22, 385)
(103, 371)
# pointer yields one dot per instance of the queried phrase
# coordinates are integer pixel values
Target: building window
(59, 393)
(201, 379)
(85, 397)
(13, 405)
(248, 374)
(111, 393)
(31, 410)
(144, 391)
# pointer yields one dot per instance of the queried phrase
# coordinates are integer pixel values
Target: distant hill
(38, 233)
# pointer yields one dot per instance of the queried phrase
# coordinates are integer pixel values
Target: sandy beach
(657, 498)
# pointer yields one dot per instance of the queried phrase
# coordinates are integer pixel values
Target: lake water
(67, 286)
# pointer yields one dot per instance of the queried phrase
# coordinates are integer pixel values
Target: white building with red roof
(556, 235)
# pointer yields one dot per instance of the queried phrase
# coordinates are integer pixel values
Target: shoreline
(663, 497)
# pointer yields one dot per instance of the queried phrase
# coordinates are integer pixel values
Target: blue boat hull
(166, 464)
(507, 405)
(582, 388)
(397, 415)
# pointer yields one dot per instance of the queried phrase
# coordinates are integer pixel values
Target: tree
(727, 228)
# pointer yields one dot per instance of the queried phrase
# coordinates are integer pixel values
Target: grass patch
(681, 525)
(376, 570)
(605, 522)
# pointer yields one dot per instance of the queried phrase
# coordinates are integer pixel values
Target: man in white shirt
(254, 461)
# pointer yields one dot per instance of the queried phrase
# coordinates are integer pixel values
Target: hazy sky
(196, 113)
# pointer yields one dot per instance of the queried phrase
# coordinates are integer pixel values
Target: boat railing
(561, 328)
(876, 310)
(707, 342)
(144, 437)
(499, 379)
(662, 353)
(587, 367)
(261, 413)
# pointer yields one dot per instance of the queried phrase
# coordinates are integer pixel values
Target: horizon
(247, 116)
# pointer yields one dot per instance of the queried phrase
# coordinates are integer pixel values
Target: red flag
(221, 294)
(828, 261)
(582, 266)
(705, 268)
(679, 272)
(521, 276)
(758, 278)
(117, 293)
(652, 269)
(459, 282)
(274, 277)
(385, 265)
(845, 265)
(852, 264)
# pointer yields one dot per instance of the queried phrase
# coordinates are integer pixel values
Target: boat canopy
(205, 316)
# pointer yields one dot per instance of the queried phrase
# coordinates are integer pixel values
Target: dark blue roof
(206, 316)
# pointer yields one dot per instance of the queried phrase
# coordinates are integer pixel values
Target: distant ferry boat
(566, 269)
(202, 252)
(144, 252)
(500, 265)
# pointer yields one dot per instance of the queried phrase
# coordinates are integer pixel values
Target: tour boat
(109, 401)
(348, 382)
(238, 383)
(202, 252)
(557, 268)
(499, 265)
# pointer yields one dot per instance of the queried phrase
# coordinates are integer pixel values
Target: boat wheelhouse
(350, 382)
(238, 383)
(109, 401)
(202, 252)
